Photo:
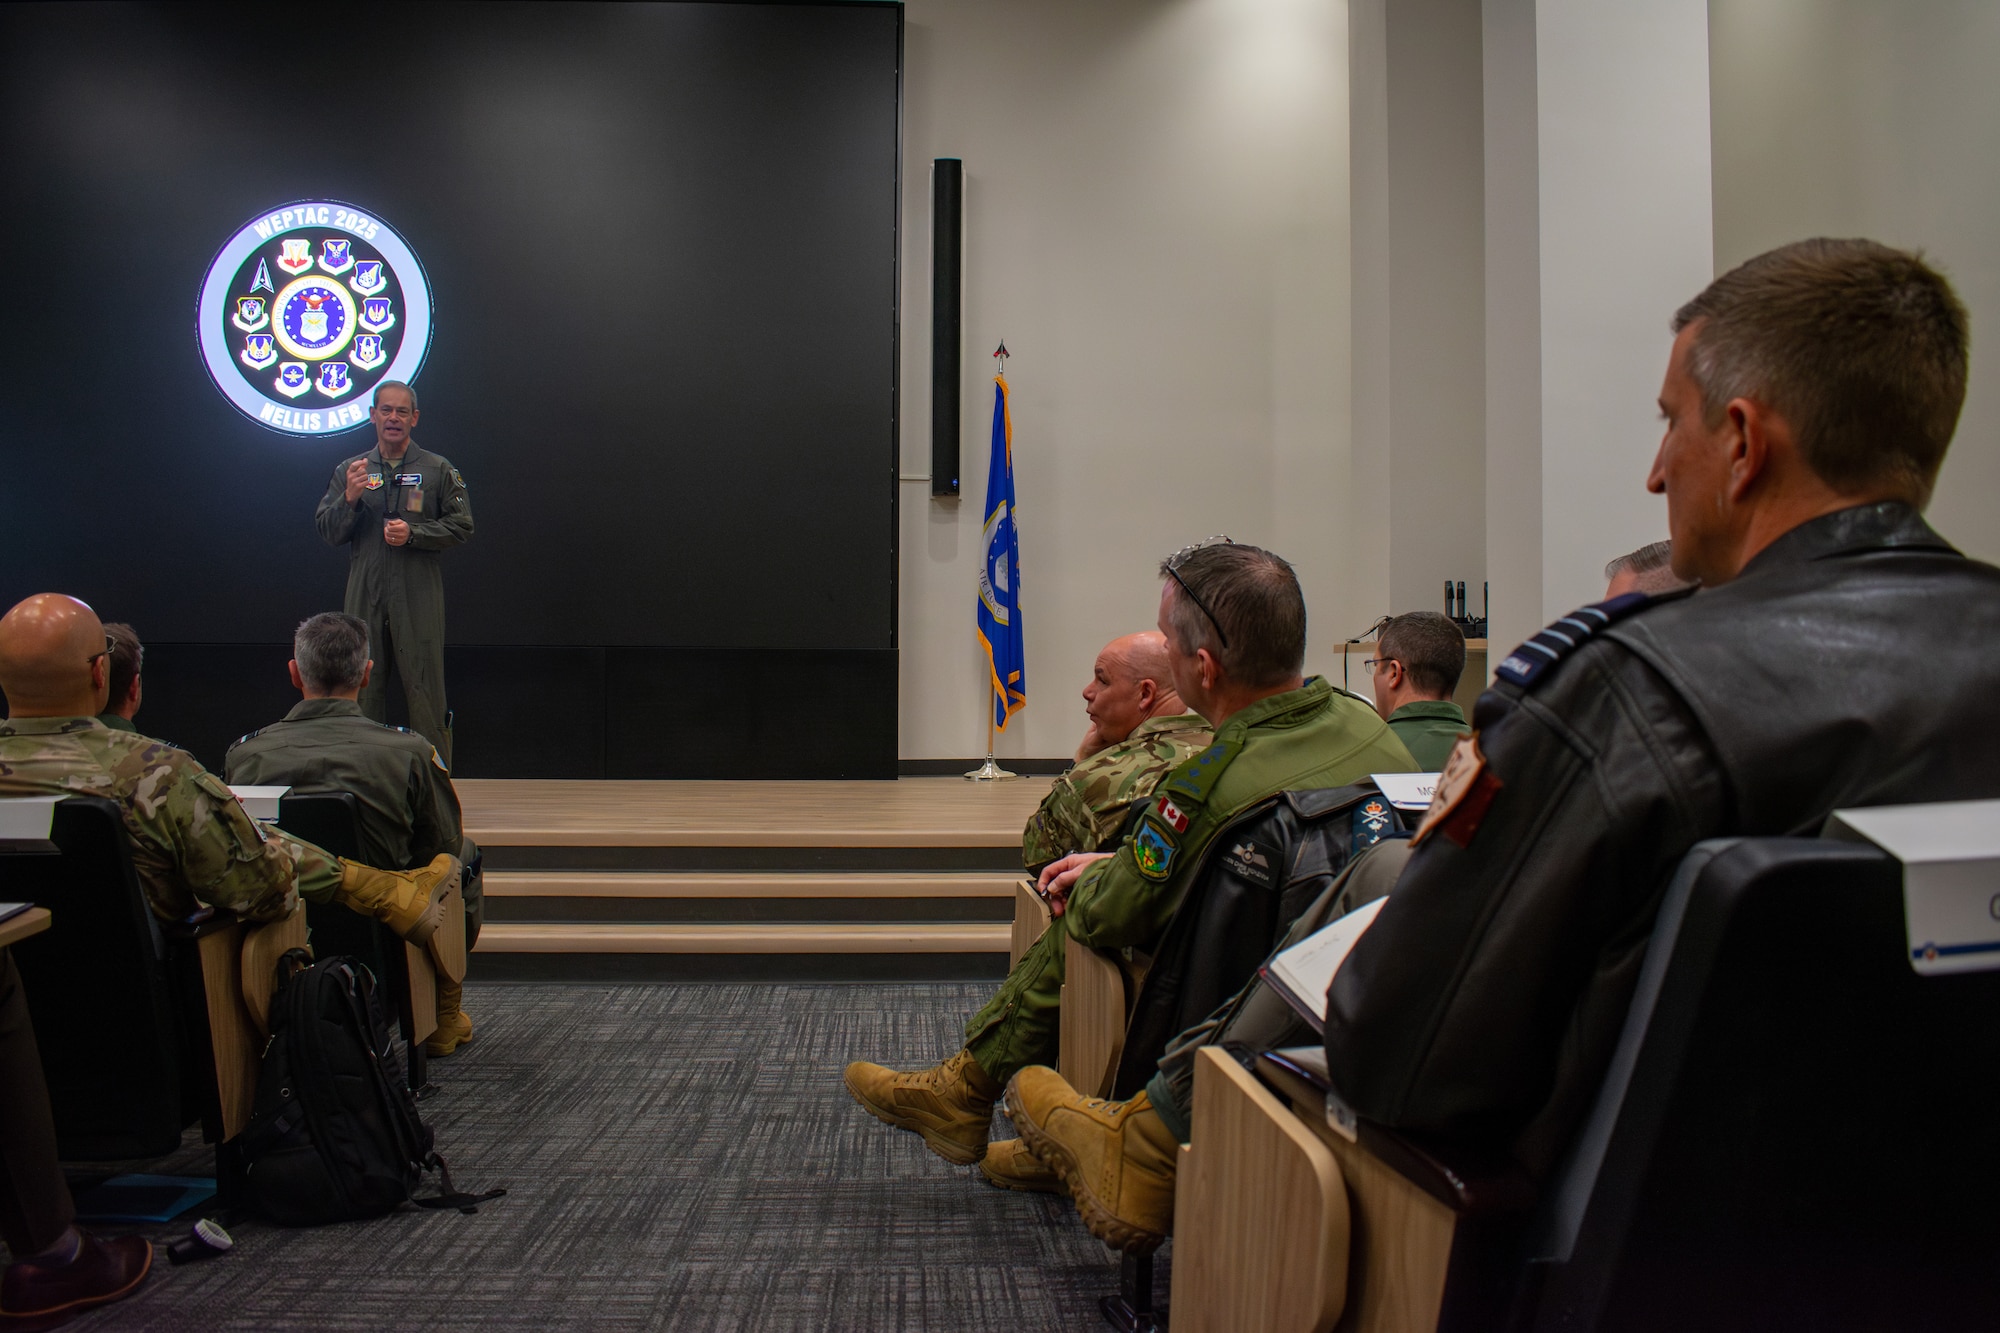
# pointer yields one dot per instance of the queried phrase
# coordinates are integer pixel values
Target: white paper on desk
(1950, 852)
(1307, 968)
(1407, 791)
(27, 818)
(261, 802)
(13, 909)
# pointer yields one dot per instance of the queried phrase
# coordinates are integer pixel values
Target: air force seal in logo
(350, 307)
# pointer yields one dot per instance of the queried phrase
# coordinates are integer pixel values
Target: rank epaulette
(1192, 780)
(248, 736)
(1526, 664)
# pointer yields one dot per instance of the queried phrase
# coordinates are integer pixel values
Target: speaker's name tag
(409, 478)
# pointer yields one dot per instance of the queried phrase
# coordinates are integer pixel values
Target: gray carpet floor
(676, 1157)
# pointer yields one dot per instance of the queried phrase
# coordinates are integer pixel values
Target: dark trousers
(34, 1198)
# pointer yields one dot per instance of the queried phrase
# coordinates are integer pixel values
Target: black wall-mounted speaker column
(947, 246)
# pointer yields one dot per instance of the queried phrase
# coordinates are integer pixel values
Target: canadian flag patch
(1171, 813)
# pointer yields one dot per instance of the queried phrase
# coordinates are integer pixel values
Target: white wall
(1157, 223)
(1855, 118)
(1419, 264)
(1622, 223)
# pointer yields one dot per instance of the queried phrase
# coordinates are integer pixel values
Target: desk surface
(17, 928)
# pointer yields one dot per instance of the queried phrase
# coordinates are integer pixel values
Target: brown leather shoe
(1118, 1158)
(950, 1105)
(103, 1270)
(1010, 1165)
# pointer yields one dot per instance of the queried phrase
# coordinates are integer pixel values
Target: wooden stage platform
(910, 879)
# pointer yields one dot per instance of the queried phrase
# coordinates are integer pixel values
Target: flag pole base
(989, 772)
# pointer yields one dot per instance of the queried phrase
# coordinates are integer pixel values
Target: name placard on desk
(1950, 852)
(25, 822)
(261, 802)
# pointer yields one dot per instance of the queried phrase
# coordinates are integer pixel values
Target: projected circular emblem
(305, 310)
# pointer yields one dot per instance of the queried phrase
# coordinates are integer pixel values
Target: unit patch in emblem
(1153, 850)
(334, 257)
(374, 482)
(354, 310)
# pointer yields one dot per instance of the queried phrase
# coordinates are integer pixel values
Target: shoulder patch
(438, 759)
(1154, 850)
(1372, 821)
(1529, 662)
(1195, 778)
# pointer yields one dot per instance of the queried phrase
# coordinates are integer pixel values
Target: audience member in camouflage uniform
(1140, 731)
(193, 844)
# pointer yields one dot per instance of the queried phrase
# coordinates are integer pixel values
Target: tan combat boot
(1010, 1165)
(454, 1029)
(950, 1104)
(409, 902)
(1117, 1158)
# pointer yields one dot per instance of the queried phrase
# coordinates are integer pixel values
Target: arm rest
(1091, 1035)
(1031, 918)
(1470, 1181)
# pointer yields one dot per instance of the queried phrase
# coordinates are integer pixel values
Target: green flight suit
(399, 590)
(409, 811)
(1086, 806)
(1306, 738)
(192, 842)
(1429, 728)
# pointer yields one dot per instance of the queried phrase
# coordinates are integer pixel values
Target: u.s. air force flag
(1000, 572)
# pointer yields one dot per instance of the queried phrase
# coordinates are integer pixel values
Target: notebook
(1303, 972)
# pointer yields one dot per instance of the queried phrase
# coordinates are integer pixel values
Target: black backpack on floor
(334, 1135)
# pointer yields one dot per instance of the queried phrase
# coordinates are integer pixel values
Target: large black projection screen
(660, 245)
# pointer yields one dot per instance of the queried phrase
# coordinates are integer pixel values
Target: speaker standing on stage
(396, 507)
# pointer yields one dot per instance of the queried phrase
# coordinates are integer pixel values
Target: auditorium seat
(142, 1028)
(332, 822)
(1796, 1132)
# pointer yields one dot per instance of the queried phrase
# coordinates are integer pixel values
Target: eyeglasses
(110, 647)
(1173, 563)
(1373, 664)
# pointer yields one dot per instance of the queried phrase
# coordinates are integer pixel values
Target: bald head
(53, 661)
(1130, 684)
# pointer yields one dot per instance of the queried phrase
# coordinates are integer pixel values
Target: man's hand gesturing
(1058, 877)
(396, 532)
(357, 479)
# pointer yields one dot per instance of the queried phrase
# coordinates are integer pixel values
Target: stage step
(737, 938)
(747, 881)
(640, 884)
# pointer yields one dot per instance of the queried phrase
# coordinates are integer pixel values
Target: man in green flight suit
(1235, 627)
(1418, 660)
(128, 657)
(1139, 732)
(397, 507)
(409, 812)
(192, 843)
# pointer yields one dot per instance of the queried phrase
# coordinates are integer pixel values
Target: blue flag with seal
(1000, 572)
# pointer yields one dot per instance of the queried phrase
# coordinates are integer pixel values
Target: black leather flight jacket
(1258, 873)
(1854, 662)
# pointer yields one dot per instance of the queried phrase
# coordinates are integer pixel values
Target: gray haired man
(409, 812)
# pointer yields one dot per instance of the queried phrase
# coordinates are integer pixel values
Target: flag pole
(990, 771)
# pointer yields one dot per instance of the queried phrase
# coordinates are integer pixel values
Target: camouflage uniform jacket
(1087, 806)
(192, 842)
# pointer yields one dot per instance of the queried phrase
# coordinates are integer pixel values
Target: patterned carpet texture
(676, 1157)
